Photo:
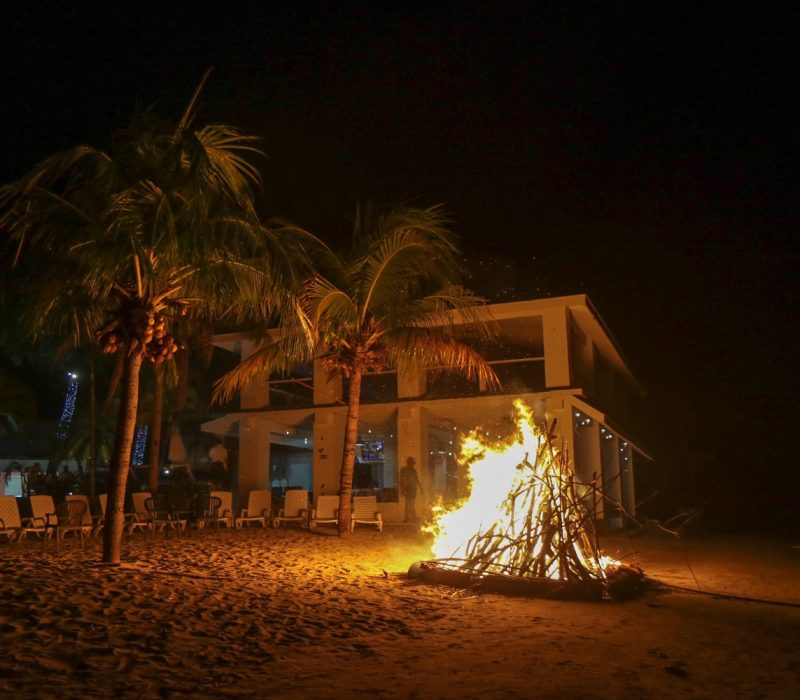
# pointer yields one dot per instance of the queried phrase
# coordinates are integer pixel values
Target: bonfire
(525, 526)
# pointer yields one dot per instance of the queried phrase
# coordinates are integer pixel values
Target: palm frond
(429, 348)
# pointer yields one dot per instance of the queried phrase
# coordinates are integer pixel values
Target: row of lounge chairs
(156, 515)
(47, 521)
(364, 511)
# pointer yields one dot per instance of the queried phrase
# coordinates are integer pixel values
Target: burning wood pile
(525, 527)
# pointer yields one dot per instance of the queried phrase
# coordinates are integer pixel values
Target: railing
(291, 393)
(516, 376)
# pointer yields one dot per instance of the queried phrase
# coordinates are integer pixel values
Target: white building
(555, 354)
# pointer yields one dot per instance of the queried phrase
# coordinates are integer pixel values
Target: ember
(524, 527)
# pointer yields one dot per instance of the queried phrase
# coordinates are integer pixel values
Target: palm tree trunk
(121, 459)
(155, 440)
(181, 396)
(349, 452)
(113, 383)
(92, 423)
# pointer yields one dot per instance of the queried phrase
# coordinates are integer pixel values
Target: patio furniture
(226, 507)
(259, 507)
(88, 519)
(326, 512)
(160, 517)
(295, 508)
(209, 513)
(102, 499)
(139, 518)
(10, 522)
(69, 517)
(365, 511)
(42, 508)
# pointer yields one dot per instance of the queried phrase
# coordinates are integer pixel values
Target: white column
(412, 384)
(412, 441)
(256, 394)
(328, 446)
(326, 391)
(612, 479)
(556, 348)
(254, 455)
(628, 485)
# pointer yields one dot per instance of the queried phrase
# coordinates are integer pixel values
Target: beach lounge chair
(10, 522)
(226, 507)
(43, 509)
(160, 517)
(295, 508)
(88, 519)
(138, 519)
(68, 518)
(102, 499)
(325, 512)
(365, 511)
(259, 508)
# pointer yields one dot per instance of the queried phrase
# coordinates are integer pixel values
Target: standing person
(409, 483)
(218, 457)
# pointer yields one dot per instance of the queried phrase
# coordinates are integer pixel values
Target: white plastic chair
(295, 508)
(140, 518)
(326, 512)
(259, 508)
(10, 522)
(44, 512)
(365, 511)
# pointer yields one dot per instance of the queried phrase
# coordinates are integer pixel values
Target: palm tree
(122, 242)
(391, 303)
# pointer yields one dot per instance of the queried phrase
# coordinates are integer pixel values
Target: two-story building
(555, 354)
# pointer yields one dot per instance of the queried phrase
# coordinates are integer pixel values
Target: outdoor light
(68, 408)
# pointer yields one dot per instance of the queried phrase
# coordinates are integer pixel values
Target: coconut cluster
(148, 329)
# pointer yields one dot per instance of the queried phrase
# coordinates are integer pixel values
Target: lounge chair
(259, 508)
(10, 522)
(139, 518)
(365, 511)
(69, 517)
(102, 499)
(226, 507)
(295, 508)
(43, 509)
(325, 512)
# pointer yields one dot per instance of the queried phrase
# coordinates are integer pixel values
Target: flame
(523, 515)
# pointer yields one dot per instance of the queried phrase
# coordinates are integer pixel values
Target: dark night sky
(646, 156)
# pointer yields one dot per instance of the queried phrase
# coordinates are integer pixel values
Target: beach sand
(292, 614)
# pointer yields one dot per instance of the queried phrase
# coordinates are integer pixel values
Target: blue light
(139, 444)
(69, 406)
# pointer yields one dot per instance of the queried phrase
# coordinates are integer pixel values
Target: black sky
(643, 153)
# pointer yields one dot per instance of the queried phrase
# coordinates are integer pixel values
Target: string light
(69, 406)
(139, 444)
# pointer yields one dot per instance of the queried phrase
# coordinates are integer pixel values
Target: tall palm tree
(120, 243)
(391, 303)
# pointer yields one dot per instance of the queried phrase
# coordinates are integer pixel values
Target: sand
(292, 614)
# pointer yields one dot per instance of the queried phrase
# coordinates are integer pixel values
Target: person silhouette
(409, 483)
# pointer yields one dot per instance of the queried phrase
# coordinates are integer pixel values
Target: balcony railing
(516, 376)
(291, 393)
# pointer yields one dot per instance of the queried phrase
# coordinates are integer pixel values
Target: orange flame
(531, 468)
